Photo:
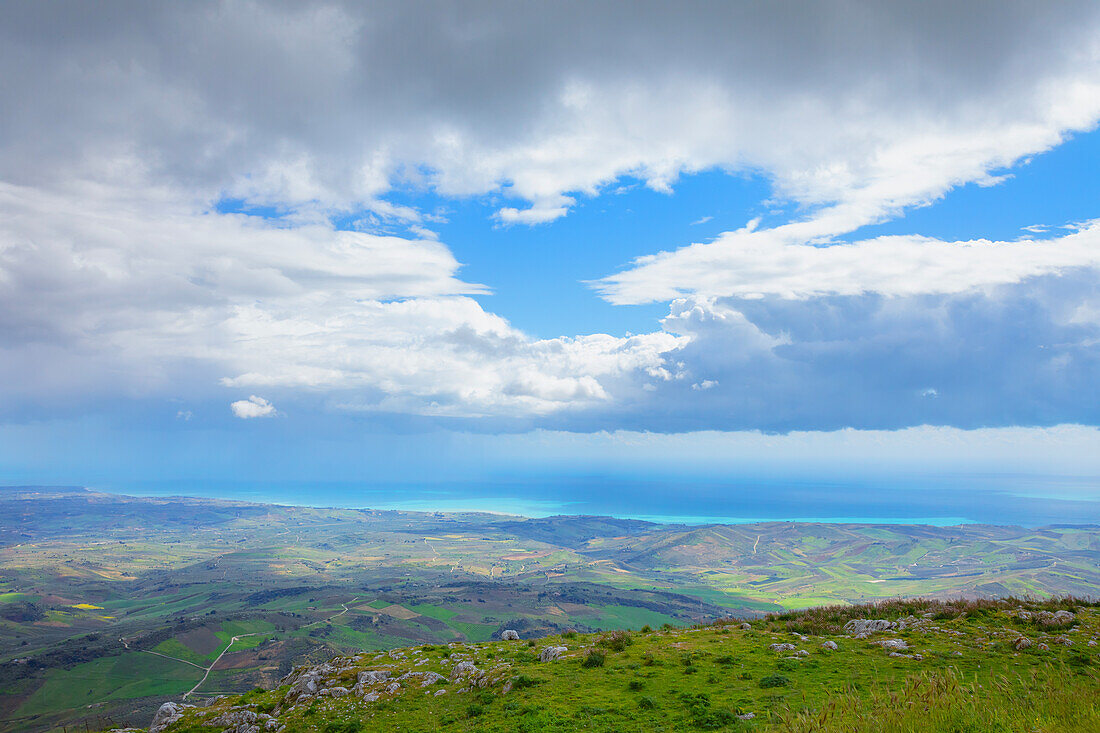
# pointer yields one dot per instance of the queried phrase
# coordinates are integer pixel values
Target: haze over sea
(1028, 500)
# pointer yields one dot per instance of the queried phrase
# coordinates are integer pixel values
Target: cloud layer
(126, 126)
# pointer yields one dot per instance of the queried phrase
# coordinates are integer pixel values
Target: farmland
(111, 605)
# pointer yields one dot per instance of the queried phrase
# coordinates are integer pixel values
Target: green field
(83, 605)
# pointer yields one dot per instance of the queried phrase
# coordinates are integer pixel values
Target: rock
(167, 714)
(897, 645)
(782, 647)
(861, 627)
(1042, 647)
(802, 653)
(464, 669)
(440, 692)
(745, 627)
(1022, 643)
(271, 724)
(1058, 618)
(371, 676)
(829, 645)
(393, 687)
(1062, 640)
(334, 692)
(746, 716)
(430, 678)
(509, 635)
(422, 678)
(550, 653)
(1092, 643)
(306, 685)
(237, 720)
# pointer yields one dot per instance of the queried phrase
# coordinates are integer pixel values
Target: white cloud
(751, 263)
(139, 290)
(253, 407)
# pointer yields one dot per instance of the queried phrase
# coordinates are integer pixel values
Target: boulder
(1022, 643)
(464, 669)
(509, 635)
(167, 714)
(307, 684)
(371, 676)
(861, 627)
(1058, 618)
(782, 647)
(831, 645)
(550, 653)
(896, 645)
(334, 692)
(745, 627)
(237, 720)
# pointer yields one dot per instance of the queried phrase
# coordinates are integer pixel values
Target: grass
(969, 679)
(127, 676)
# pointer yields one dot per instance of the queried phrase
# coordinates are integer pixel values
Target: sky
(422, 242)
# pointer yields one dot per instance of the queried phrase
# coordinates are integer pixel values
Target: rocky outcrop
(464, 669)
(509, 635)
(167, 714)
(895, 645)
(240, 720)
(782, 647)
(550, 653)
(371, 676)
(863, 627)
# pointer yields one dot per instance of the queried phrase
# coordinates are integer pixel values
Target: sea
(940, 500)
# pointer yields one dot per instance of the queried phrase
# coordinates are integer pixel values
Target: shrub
(636, 685)
(647, 629)
(595, 658)
(473, 710)
(616, 641)
(646, 703)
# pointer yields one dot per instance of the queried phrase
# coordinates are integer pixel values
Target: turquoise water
(937, 500)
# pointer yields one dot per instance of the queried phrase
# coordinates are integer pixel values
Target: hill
(919, 665)
(111, 605)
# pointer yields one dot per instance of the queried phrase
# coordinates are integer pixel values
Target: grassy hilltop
(969, 666)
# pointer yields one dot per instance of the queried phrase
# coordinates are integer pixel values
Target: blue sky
(240, 242)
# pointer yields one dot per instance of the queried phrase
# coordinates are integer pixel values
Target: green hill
(973, 666)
